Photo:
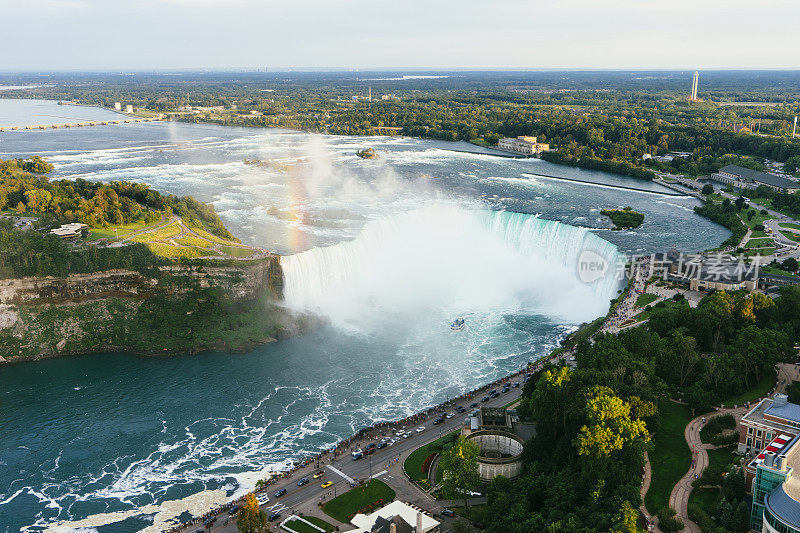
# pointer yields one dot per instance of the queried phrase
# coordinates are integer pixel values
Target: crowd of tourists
(624, 310)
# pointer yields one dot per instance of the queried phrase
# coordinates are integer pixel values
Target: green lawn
(165, 232)
(758, 243)
(720, 458)
(301, 527)
(759, 251)
(789, 225)
(671, 456)
(758, 235)
(769, 269)
(351, 502)
(757, 219)
(122, 230)
(758, 391)
(235, 251)
(645, 299)
(416, 459)
(479, 141)
(792, 236)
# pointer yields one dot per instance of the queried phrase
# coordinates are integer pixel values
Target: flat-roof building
(69, 230)
(766, 420)
(524, 145)
(747, 178)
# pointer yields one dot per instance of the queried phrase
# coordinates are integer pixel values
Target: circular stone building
(500, 455)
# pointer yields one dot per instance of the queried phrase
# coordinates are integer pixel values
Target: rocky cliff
(178, 308)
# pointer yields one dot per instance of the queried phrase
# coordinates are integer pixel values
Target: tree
(251, 519)
(707, 189)
(627, 519)
(460, 470)
(610, 427)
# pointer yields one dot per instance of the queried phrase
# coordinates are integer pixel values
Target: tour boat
(457, 325)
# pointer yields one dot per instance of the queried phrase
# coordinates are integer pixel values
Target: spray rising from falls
(445, 259)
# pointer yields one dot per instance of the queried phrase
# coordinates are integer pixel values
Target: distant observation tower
(693, 96)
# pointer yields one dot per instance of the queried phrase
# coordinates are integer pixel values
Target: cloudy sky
(529, 34)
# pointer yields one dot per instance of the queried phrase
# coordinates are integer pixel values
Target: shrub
(715, 426)
(667, 520)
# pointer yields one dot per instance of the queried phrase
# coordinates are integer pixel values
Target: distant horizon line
(265, 70)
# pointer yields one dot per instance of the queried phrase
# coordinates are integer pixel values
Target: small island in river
(367, 153)
(624, 218)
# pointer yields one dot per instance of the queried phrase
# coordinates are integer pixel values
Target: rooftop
(756, 416)
(783, 505)
(776, 446)
(789, 411)
(388, 513)
(760, 177)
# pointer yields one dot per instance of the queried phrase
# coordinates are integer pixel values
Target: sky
(125, 35)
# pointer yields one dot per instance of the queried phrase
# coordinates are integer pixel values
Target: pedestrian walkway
(648, 475)
(679, 498)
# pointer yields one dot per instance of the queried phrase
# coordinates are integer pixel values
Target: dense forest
(583, 468)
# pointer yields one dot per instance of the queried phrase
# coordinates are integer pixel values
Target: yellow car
(318, 474)
(326, 484)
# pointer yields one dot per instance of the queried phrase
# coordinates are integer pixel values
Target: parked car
(485, 399)
(358, 454)
(448, 512)
(420, 429)
(263, 499)
(473, 404)
(382, 444)
(438, 421)
(516, 385)
(318, 474)
(302, 482)
(461, 408)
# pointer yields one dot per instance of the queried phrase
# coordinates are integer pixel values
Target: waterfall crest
(455, 260)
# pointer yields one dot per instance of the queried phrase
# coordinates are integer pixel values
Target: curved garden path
(679, 497)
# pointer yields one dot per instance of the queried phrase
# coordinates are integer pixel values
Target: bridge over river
(78, 124)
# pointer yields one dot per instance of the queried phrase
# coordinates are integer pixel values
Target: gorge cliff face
(176, 308)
